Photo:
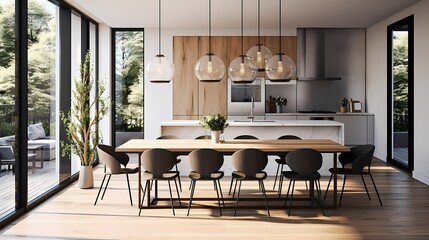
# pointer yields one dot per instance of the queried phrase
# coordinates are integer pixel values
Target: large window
(128, 82)
(7, 106)
(41, 47)
(42, 80)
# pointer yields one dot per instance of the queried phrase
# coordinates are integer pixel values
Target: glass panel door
(401, 93)
(128, 82)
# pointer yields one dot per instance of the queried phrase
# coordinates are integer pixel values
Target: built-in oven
(240, 98)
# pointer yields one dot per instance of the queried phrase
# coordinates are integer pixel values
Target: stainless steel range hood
(311, 55)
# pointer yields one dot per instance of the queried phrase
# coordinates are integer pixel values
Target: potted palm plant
(81, 123)
(216, 123)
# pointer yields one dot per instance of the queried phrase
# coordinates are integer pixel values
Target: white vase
(86, 177)
(215, 136)
(278, 108)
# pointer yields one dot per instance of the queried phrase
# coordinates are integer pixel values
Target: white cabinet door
(282, 117)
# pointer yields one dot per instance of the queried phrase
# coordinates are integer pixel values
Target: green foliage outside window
(400, 81)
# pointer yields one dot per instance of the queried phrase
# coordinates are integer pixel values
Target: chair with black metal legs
(178, 160)
(205, 164)
(282, 160)
(249, 164)
(356, 162)
(304, 165)
(157, 164)
(239, 137)
(113, 160)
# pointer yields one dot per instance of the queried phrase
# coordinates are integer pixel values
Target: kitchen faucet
(252, 106)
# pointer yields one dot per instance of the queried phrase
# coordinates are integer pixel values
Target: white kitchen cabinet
(358, 129)
(280, 117)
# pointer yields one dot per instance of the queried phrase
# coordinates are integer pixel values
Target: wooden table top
(230, 146)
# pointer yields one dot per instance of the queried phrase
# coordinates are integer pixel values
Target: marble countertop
(321, 114)
(260, 123)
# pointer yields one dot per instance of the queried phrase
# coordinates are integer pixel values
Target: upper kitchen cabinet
(212, 96)
(192, 98)
(185, 84)
(288, 46)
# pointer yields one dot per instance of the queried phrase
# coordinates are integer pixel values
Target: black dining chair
(250, 164)
(205, 164)
(281, 161)
(113, 160)
(178, 160)
(157, 164)
(240, 137)
(356, 162)
(304, 165)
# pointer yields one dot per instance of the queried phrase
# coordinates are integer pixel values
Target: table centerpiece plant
(216, 123)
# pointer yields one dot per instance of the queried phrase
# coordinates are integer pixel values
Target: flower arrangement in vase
(216, 123)
(279, 102)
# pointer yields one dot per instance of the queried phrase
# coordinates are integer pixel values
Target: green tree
(129, 80)
(41, 59)
(38, 23)
(400, 81)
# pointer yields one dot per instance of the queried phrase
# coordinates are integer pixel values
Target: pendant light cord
(210, 26)
(242, 41)
(159, 27)
(280, 26)
(259, 21)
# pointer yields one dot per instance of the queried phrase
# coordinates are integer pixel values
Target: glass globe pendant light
(242, 69)
(280, 67)
(159, 69)
(259, 53)
(209, 68)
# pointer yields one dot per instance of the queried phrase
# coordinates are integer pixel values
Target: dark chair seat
(212, 176)
(280, 161)
(241, 176)
(298, 177)
(165, 176)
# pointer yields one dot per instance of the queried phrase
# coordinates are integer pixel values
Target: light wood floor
(72, 215)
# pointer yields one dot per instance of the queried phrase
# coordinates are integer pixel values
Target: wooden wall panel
(185, 84)
(213, 96)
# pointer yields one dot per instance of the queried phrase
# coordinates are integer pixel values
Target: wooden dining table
(271, 147)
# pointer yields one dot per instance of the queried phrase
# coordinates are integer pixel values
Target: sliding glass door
(7, 107)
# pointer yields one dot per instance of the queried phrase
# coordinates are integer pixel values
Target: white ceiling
(226, 13)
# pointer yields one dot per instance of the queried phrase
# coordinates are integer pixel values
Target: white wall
(377, 84)
(105, 74)
(159, 97)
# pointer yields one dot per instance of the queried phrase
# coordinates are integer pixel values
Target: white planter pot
(215, 136)
(86, 177)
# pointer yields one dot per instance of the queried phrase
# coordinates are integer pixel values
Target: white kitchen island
(263, 129)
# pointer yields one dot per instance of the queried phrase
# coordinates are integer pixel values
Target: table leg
(335, 180)
(139, 181)
(312, 193)
(33, 164)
